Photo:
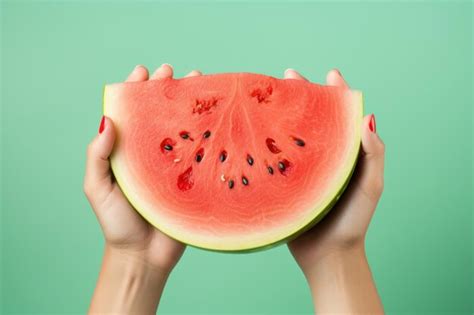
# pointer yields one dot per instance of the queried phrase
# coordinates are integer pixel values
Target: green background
(412, 60)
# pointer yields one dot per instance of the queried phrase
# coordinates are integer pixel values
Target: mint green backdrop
(412, 60)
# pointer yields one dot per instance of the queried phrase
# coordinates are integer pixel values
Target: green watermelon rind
(284, 240)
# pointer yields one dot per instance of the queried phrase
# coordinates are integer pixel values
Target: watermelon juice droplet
(185, 179)
(272, 146)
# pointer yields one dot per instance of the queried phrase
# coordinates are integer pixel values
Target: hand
(332, 254)
(138, 258)
(345, 226)
(124, 229)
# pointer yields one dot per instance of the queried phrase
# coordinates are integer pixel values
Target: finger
(334, 78)
(372, 159)
(164, 71)
(140, 73)
(293, 74)
(193, 73)
(98, 177)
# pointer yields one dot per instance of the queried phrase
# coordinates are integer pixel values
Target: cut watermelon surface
(233, 162)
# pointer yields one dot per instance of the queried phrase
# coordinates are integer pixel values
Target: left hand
(125, 231)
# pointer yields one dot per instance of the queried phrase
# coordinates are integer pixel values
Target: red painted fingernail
(102, 124)
(372, 125)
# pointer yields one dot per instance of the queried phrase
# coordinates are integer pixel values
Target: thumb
(98, 177)
(372, 160)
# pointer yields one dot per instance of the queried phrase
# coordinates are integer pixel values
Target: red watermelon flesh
(233, 162)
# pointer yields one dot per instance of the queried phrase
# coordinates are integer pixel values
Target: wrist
(341, 283)
(135, 260)
(127, 284)
(333, 260)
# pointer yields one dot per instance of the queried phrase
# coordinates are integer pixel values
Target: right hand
(343, 229)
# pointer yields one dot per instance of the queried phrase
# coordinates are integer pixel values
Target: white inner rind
(130, 185)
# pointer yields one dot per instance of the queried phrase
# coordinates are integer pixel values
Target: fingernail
(289, 69)
(138, 66)
(102, 125)
(372, 125)
(167, 64)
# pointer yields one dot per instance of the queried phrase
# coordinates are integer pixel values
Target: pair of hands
(343, 230)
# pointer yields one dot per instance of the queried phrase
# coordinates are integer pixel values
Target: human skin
(332, 254)
(138, 258)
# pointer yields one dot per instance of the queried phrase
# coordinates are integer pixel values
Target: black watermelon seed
(245, 181)
(299, 142)
(281, 166)
(223, 156)
(184, 136)
(167, 145)
(207, 134)
(231, 184)
(199, 155)
(249, 159)
(270, 170)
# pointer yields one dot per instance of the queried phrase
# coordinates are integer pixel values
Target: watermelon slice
(233, 162)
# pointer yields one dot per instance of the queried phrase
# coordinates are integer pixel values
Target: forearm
(127, 285)
(342, 283)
